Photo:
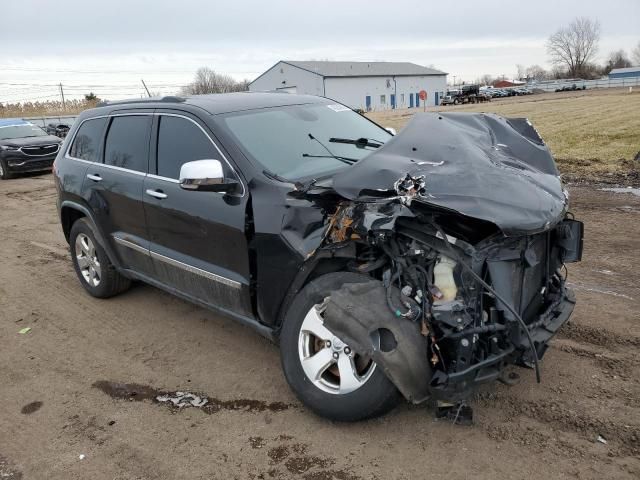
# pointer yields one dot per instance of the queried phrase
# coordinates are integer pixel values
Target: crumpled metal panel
(356, 312)
(480, 165)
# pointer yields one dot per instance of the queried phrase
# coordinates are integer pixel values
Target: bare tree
(536, 72)
(486, 79)
(520, 71)
(617, 59)
(208, 81)
(575, 45)
(635, 54)
(558, 72)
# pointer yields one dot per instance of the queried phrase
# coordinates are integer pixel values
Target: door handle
(157, 194)
(95, 178)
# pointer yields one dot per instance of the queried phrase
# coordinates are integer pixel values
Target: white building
(365, 85)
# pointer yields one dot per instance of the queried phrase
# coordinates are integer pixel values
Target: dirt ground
(76, 392)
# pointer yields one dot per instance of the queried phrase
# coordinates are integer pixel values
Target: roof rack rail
(165, 99)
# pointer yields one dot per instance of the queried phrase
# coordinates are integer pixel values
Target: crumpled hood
(481, 165)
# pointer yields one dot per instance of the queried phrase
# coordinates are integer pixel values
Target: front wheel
(5, 174)
(322, 370)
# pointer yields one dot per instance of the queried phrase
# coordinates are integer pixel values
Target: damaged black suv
(418, 265)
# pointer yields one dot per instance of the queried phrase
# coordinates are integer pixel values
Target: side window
(127, 143)
(181, 141)
(87, 141)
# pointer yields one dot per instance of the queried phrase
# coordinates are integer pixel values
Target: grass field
(590, 133)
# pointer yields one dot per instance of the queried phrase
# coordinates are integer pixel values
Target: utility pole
(145, 87)
(62, 95)
(454, 81)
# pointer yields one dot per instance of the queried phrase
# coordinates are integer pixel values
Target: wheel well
(326, 265)
(321, 267)
(68, 217)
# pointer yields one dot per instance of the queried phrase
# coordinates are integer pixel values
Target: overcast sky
(108, 46)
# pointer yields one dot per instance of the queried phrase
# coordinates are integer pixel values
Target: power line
(127, 85)
(132, 72)
(35, 98)
(57, 70)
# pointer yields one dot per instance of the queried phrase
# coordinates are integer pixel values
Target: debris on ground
(183, 399)
(601, 439)
(24, 330)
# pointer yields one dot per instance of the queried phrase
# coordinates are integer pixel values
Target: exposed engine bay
(461, 230)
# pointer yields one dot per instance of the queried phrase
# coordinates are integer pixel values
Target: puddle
(634, 191)
(135, 392)
(29, 408)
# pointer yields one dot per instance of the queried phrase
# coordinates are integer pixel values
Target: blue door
(393, 100)
(417, 100)
(411, 100)
(367, 101)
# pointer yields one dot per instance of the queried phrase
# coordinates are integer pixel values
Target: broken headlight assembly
(455, 312)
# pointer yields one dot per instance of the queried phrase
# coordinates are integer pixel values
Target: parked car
(385, 266)
(450, 98)
(25, 147)
(58, 129)
(498, 93)
(570, 88)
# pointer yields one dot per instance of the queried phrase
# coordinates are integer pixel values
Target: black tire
(111, 282)
(375, 397)
(5, 174)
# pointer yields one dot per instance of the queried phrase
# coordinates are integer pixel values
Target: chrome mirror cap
(201, 173)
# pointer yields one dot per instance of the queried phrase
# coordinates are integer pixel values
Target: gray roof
(625, 70)
(363, 69)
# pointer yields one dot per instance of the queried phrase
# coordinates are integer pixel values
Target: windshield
(298, 141)
(21, 131)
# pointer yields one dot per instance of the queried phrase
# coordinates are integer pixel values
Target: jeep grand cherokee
(415, 266)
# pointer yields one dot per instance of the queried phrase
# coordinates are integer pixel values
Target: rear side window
(181, 141)
(87, 141)
(127, 143)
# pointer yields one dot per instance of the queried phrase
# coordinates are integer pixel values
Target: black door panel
(114, 192)
(197, 239)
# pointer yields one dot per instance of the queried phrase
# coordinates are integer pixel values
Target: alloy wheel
(87, 259)
(327, 361)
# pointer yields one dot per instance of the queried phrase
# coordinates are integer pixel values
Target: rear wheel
(95, 271)
(321, 368)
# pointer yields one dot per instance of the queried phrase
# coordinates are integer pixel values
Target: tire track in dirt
(625, 436)
(597, 336)
(621, 364)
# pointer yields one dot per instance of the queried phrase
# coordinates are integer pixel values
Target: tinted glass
(181, 141)
(26, 130)
(294, 141)
(86, 144)
(127, 143)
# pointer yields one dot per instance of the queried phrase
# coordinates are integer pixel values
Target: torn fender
(357, 312)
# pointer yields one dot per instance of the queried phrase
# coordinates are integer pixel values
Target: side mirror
(207, 176)
(391, 130)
